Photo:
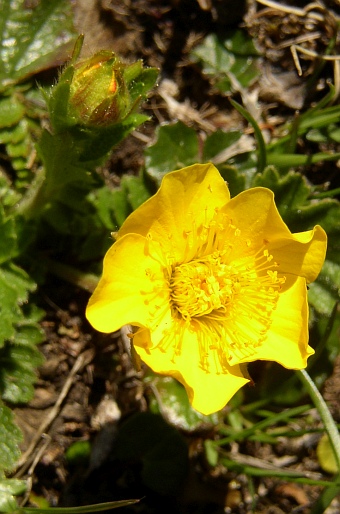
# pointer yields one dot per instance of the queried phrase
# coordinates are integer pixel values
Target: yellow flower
(209, 283)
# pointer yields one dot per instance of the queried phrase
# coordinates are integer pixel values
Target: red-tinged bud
(98, 93)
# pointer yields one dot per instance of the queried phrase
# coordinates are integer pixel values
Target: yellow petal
(208, 392)
(255, 214)
(135, 287)
(303, 255)
(186, 199)
(287, 338)
(128, 291)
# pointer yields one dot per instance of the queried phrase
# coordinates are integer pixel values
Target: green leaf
(9, 488)
(18, 372)
(8, 237)
(19, 131)
(9, 450)
(172, 401)
(291, 191)
(103, 200)
(325, 455)
(59, 155)
(324, 134)
(213, 55)
(8, 198)
(146, 438)
(28, 333)
(218, 141)
(120, 206)
(176, 147)
(78, 453)
(211, 452)
(70, 158)
(325, 292)
(228, 59)
(19, 335)
(11, 112)
(326, 497)
(316, 124)
(317, 136)
(33, 38)
(136, 190)
(321, 298)
(112, 206)
(334, 132)
(239, 43)
(15, 285)
(139, 80)
(16, 150)
(325, 336)
(98, 142)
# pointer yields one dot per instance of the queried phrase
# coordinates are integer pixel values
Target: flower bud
(98, 92)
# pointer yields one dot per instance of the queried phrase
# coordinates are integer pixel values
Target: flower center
(201, 286)
(229, 304)
(225, 291)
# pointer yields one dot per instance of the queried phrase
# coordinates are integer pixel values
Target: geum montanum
(209, 284)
